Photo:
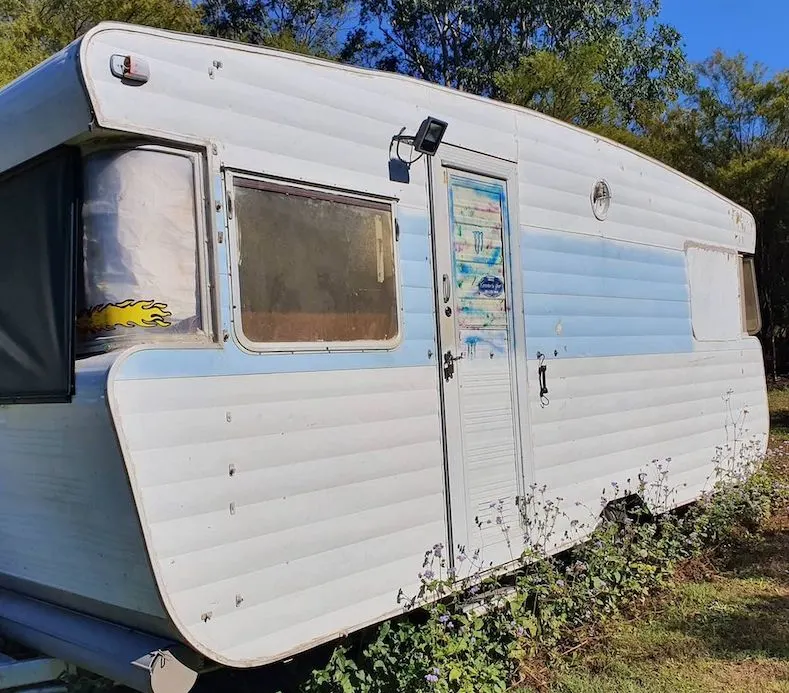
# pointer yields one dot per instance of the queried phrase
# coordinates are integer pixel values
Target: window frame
(204, 274)
(73, 160)
(311, 191)
(752, 259)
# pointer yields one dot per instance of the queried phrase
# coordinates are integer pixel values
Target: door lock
(449, 365)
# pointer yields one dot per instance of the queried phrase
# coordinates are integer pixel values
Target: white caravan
(310, 345)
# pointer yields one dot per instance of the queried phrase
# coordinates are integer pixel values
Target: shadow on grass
(765, 556)
(757, 627)
(779, 423)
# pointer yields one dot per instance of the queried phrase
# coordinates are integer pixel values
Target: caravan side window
(314, 267)
(140, 259)
(714, 293)
(751, 314)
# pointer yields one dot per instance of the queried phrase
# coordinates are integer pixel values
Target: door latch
(542, 380)
(449, 365)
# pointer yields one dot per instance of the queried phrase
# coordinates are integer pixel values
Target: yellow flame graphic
(124, 314)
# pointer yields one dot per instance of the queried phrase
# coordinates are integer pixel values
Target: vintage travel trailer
(275, 326)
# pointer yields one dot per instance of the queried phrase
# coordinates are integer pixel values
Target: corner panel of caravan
(69, 531)
(43, 108)
(288, 498)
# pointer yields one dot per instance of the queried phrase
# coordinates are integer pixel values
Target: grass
(720, 628)
(779, 413)
(724, 633)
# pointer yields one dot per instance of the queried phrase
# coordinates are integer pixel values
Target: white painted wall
(284, 509)
(69, 532)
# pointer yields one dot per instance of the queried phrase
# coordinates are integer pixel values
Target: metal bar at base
(143, 662)
(31, 674)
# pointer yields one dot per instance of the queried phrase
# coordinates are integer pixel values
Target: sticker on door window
(476, 211)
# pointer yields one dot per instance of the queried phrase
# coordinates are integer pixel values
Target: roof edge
(368, 72)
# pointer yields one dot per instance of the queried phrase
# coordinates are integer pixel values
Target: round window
(601, 199)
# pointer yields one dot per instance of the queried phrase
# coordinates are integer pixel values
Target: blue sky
(758, 28)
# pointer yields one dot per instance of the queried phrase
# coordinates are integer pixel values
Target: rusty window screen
(314, 267)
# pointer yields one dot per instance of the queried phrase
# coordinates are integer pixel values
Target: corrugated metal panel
(611, 418)
(651, 204)
(69, 531)
(587, 296)
(327, 123)
(284, 509)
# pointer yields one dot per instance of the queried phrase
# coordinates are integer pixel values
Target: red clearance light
(129, 68)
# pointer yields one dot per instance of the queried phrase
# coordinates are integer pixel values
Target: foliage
(565, 87)
(722, 631)
(304, 26)
(31, 30)
(462, 44)
(486, 633)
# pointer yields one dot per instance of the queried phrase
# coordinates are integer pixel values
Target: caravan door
(480, 321)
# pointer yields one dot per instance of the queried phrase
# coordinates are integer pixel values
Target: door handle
(445, 287)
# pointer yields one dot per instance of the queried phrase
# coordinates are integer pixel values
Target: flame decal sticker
(124, 314)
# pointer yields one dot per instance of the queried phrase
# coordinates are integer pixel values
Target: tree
(462, 44)
(568, 88)
(31, 30)
(306, 26)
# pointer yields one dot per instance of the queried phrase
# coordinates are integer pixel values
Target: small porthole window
(601, 199)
